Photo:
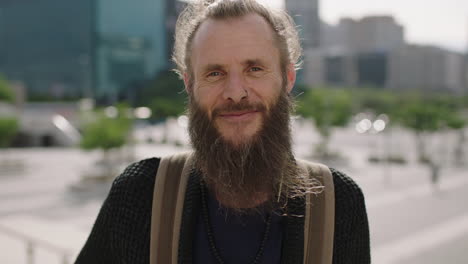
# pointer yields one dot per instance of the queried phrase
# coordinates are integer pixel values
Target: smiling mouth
(242, 116)
(238, 114)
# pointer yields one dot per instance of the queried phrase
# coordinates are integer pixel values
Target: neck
(259, 199)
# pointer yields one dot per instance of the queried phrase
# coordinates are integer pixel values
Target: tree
(8, 129)
(165, 96)
(375, 100)
(107, 133)
(455, 121)
(422, 118)
(6, 93)
(8, 125)
(329, 108)
(163, 107)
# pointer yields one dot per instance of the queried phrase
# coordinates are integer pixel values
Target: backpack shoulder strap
(319, 222)
(168, 202)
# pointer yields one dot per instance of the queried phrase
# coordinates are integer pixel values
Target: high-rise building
(425, 68)
(372, 51)
(367, 35)
(45, 44)
(130, 43)
(465, 68)
(88, 47)
(306, 15)
(357, 51)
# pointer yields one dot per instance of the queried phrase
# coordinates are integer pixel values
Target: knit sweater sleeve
(352, 243)
(121, 224)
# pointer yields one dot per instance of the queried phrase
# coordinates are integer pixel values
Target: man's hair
(198, 11)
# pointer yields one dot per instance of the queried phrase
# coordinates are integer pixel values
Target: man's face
(236, 74)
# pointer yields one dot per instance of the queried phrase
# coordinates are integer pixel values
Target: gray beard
(241, 174)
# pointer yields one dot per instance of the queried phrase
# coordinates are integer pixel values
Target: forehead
(233, 40)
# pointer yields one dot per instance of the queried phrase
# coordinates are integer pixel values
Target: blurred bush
(374, 100)
(9, 125)
(6, 93)
(162, 107)
(328, 108)
(107, 132)
(165, 96)
(8, 129)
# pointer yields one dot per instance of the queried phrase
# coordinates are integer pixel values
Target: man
(245, 199)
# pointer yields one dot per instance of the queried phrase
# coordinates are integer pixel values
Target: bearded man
(245, 197)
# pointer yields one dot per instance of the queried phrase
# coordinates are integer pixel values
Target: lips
(242, 116)
(238, 114)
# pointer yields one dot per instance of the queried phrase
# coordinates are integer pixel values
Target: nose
(236, 88)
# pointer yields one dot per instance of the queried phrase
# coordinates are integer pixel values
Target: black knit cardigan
(121, 233)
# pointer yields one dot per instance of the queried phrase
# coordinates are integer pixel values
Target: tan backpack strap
(168, 202)
(319, 224)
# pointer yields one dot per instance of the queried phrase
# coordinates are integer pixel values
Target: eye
(255, 69)
(214, 74)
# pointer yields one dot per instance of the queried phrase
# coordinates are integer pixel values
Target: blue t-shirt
(237, 237)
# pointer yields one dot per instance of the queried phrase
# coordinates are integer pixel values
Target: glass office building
(45, 45)
(84, 48)
(130, 43)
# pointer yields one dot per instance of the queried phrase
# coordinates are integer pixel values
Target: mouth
(238, 115)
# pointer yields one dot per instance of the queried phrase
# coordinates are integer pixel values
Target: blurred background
(86, 88)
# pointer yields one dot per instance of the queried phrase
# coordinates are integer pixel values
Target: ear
(187, 82)
(291, 77)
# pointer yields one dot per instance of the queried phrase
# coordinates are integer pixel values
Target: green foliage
(430, 113)
(107, 133)
(420, 117)
(427, 112)
(162, 107)
(455, 121)
(165, 96)
(464, 101)
(6, 93)
(328, 107)
(8, 129)
(167, 85)
(40, 97)
(375, 100)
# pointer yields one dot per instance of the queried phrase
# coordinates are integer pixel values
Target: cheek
(206, 97)
(267, 89)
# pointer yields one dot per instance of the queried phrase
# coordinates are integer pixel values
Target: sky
(435, 22)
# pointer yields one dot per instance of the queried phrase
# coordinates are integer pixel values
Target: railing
(31, 244)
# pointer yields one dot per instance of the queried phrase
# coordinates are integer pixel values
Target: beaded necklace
(209, 230)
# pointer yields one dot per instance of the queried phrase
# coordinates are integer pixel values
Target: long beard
(242, 174)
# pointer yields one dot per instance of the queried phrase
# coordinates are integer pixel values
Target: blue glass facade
(130, 42)
(93, 48)
(45, 45)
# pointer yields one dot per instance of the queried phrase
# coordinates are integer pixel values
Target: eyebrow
(254, 62)
(248, 62)
(212, 67)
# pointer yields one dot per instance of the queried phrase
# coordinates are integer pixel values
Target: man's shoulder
(344, 183)
(133, 188)
(143, 171)
(348, 195)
